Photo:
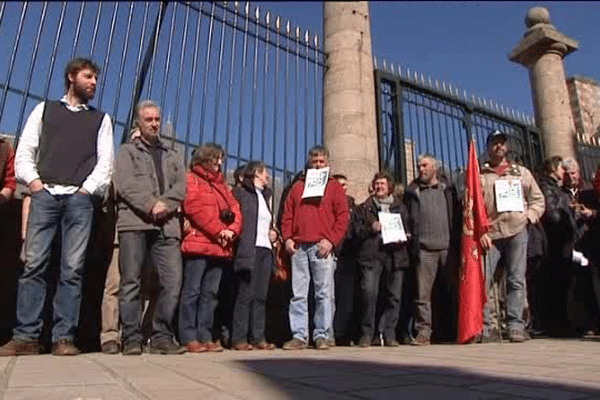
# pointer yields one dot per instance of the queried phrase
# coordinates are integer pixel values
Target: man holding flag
(512, 200)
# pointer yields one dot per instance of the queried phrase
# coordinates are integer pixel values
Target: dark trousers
(347, 299)
(372, 272)
(249, 309)
(166, 257)
(201, 278)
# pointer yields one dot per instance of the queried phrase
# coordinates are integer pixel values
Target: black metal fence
(418, 115)
(221, 71)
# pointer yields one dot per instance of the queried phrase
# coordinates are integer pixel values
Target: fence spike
(444, 87)
(277, 23)
(407, 73)
(236, 6)
(306, 37)
(316, 41)
(247, 8)
(257, 13)
(268, 18)
(430, 82)
(437, 84)
(384, 64)
(288, 28)
(375, 62)
(416, 76)
(298, 33)
(465, 95)
(422, 79)
(392, 68)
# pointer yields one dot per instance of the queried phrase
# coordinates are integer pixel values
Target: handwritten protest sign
(509, 195)
(316, 182)
(392, 229)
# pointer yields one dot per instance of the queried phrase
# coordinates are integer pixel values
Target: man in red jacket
(311, 228)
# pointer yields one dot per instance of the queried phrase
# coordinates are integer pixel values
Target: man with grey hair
(432, 204)
(311, 227)
(150, 182)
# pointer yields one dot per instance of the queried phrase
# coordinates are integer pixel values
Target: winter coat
(137, 188)
(246, 247)
(509, 223)
(207, 196)
(370, 245)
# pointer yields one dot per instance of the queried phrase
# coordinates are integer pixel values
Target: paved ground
(542, 368)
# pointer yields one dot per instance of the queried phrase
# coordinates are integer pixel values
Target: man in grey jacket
(150, 181)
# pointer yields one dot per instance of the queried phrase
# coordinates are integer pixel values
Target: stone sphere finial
(537, 15)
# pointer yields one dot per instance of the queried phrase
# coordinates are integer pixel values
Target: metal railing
(418, 115)
(221, 71)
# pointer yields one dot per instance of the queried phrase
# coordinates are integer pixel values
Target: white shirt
(27, 154)
(263, 222)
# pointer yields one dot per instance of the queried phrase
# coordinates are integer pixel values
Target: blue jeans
(306, 265)
(513, 252)
(73, 213)
(201, 278)
(166, 257)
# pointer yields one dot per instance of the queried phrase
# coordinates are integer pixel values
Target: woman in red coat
(215, 221)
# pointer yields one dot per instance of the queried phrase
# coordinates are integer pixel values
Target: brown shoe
(64, 347)
(244, 346)
(195, 347)
(420, 341)
(264, 346)
(20, 347)
(111, 347)
(295, 344)
(213, 347)
(321, 344)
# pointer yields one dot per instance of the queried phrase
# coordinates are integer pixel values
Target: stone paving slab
(548, 369)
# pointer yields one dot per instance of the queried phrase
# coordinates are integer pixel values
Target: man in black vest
(65, 156)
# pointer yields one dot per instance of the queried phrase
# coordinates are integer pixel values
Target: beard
(83, 92)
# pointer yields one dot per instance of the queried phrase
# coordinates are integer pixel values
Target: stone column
(542, 50)
(349, 124)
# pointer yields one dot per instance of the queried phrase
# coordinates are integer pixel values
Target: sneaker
(243, 346)
(421, 340)
(195, 347)
(166, 346)
(377, 341)
(390, 343)
(132, 349)
(321, 344)
(516, 336)
(111, 347)
(365, 341)
(64, 347)
(20, 347)
(213, 347)
(295, 344)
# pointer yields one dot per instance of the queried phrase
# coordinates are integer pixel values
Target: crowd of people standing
(383, 272)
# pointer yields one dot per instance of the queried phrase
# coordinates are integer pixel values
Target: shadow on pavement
(304, 378)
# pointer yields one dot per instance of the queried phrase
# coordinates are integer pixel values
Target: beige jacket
(509, 223)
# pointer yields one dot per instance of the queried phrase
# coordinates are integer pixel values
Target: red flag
(472, 284)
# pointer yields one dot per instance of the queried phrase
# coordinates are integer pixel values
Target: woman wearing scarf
(379, 262)
(215, 222)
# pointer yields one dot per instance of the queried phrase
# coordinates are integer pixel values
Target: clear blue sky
(466, 43)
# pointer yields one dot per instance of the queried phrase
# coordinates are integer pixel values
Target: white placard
(315, 183)
(392, 229)
(509, 195)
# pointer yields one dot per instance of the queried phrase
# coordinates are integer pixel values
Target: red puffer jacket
(207, 195)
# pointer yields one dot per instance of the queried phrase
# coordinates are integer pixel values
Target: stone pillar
(349, 124)
(542, 50)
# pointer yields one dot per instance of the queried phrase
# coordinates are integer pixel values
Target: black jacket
(558, 218)
(246, 247)
(370, 247)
